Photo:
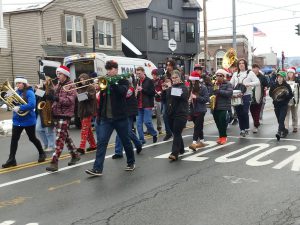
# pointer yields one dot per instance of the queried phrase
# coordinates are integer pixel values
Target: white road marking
(238, 180)
(8, 222)
(70, 167)
(257, 138)
(295, 159)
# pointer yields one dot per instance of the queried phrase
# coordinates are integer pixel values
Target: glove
(51, 98)
(16, 108)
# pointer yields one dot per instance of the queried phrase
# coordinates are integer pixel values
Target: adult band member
(244, 80)
(87, 108)
(281, 93)
(63, 111)
(112, 115)
(223, 93)
(26, 122)
(198, 98)
(157, 100)
(176, 97)
(293, 81)
(257, 97)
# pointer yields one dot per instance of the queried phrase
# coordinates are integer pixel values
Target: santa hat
(21, 79)
(223, 72)
(64, 70)
(291, 70)
(194, 76)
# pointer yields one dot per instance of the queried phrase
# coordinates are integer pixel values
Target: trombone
(102, 83)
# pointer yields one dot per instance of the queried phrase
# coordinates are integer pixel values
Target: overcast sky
(275, 18)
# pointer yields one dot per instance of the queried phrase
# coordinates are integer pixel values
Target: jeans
(165, 118)
(158, 115)
(104, 130)
(145, 116)
(280, 112)
(132, 136)
(242, 112)
(46, 134)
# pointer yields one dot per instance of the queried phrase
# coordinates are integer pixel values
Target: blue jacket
(30, 118)
(199, 103)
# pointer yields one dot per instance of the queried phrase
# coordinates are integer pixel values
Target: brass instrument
(45, 107)
(279, 93)
(11, 97)
(213, 98)
(229, 58)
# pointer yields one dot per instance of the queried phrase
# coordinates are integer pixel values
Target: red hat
(64, 70)
(194, 76)
(291, 70)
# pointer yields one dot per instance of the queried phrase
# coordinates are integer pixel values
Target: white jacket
(247, 79)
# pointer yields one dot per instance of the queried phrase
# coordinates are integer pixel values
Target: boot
(200, 145)
(81, 151)
(42, 157)
(74, 160)
(90, 149)
(193, 147)
(278, 136)
(9, 163)
(53, 167)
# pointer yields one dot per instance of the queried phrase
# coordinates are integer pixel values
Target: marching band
(120, 101)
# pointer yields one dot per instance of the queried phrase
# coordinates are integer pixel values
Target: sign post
(172, 44)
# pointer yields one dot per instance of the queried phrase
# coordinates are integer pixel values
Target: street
(248, 181)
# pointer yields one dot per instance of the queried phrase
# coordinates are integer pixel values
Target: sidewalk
(5, 115)
(5, 122)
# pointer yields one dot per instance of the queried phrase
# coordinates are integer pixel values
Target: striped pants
(62, 137)
(87, 133)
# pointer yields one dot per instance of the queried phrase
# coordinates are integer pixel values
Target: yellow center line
(64, 185)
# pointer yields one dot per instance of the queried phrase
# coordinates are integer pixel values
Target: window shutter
(96, 33)
(86, 43)
(115, 36)
(63, 29)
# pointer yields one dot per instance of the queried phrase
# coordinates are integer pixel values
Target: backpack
(241, 86)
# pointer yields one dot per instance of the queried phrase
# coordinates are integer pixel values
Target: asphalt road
(249, 181)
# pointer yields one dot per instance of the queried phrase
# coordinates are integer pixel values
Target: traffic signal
(297, 29)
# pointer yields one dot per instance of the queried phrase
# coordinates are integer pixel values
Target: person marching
(176, 97)
(87, 108)
(157, 100)
(198, 98)
(112, 114)
(223, 94)
(257, 97)
(244, 80)
(293, 81)
(63, 110)
(281, 93)
(24, 122)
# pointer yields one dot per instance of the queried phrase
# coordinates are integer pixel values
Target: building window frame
(74, 29)
(165, 29)
(190, 32)
(219, 59)
(105, 33)
(170, 4)
(177, 33)
(154, 28)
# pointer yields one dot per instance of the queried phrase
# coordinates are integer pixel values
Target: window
(170, 4)
(177, 30)
(154, 28)
(190, 32)
(105, 33)
(74, 29)
(165, 29)
(219, 59)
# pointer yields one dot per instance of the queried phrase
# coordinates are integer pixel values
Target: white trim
(224, 41)
(74, 30)
(126, 42)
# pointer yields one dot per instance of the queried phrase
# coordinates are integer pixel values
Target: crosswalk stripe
(8, 222)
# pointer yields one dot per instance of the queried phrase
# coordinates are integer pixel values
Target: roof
(135, 4)
(192, 4)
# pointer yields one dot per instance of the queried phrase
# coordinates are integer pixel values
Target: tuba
(45, 107)
(11, 97)
(229, 59)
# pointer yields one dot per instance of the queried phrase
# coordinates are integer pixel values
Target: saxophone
(213, 98)
(45, 107)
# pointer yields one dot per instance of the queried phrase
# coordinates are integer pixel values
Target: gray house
(54, 29)
(152, 23)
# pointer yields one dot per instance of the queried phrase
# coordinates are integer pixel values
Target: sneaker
(73, 160)
(49, 149)
(243, 133)
(255, 130)
(93, 172)
(80, 151)
(53, 167)
(139, 149)
(116, 156)
(277, 136)
(155, 139)
(9, 163)
(90, 149)
(167, 137)
(223, 140)
(247, 131)
(295, 130)
(130, 167)
(159, 131)
(218, 140)
(234, 122)
(42, 157)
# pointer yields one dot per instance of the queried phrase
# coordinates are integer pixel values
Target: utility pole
(205, 35)
(94, 39)
(233, 25)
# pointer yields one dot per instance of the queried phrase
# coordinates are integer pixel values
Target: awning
(130, 45)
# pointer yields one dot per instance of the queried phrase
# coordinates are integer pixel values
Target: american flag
(257, 32)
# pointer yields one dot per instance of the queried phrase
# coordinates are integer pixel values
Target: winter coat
(147, 93)
(65, 104)
(199, 103)
(132, 104)
(287, 97)
(223, 96)
(30, 118)
(158, 88)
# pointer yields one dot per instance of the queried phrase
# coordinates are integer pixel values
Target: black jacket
(223, 96)
(177, 106)
(132, 105)
(286, 97)
(117, 98)
(148, 93)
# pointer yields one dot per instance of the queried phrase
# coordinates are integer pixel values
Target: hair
(111, 64)
(171, 63)
(255, 65)
(195, 88)
(176, 73)
(246, 64)
(140, 68)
